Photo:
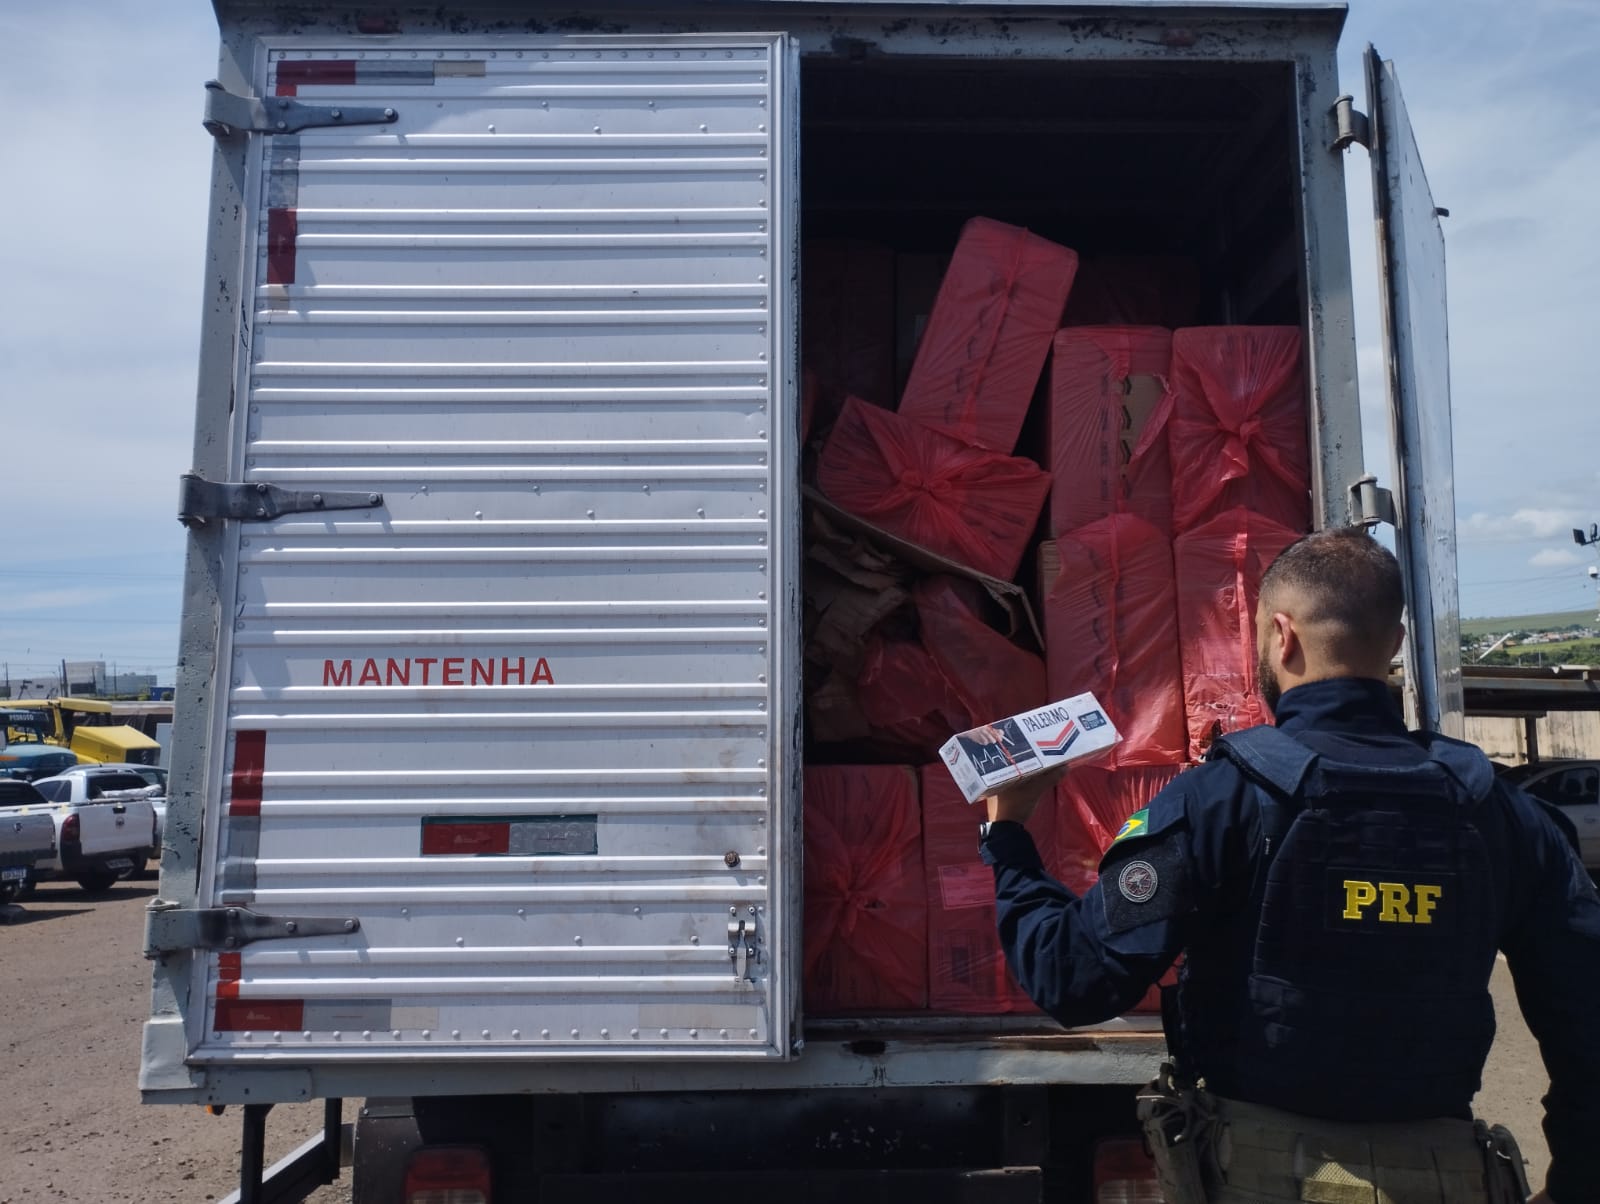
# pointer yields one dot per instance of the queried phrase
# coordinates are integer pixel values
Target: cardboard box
(1033, 742)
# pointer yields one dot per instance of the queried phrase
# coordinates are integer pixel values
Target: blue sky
(102, 231)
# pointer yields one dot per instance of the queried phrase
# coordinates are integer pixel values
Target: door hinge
(228, 113)
(1371, 503)
(1350, 124)
(200, 500)
(742, 947)
(169, 928)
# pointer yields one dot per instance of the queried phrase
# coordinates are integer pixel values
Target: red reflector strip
(229, 971)
(249, 758)
(254, 1015)
(283, 228)
(328, 71)
(444, 838)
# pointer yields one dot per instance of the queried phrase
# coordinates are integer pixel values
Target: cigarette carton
(986, 758)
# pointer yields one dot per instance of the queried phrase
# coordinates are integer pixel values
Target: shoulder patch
(1145, 883)
(1136, 824)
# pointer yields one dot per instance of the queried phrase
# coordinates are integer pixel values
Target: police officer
(1339, 887)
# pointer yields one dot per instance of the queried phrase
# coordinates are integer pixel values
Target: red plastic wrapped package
(866, 914)
(1219, 567)
(1109, 408)
(985, 344)
(966, 968)
(1109, 621)
(991, 675)
(907, 699)
(849, 308)
(1135, 290)
(970, 505)
(1238, 426)
(1091, 806)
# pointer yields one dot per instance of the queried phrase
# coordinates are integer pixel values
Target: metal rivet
(605, 1032)
(337, 115)
(752, 1034)
(307, 1034)
(461, 940)
(522, 911)
(637, 910)
(633, 1032)
(405, 911)
(366, 1034)
(335, 1034)
(733, 911)
(516, 1034)
(694, 940)
(577, 940)
(427, 1032)
(349, 925)
(485, 1034)
(455, 1032)
(291, 927)
(388, 113)
(723, 1032)
(574, 1032)
(373, 499)
(316, 499)
(544, 1032)
(395, 1033)
(663, 1032)
(730, 858)
(752, 911)
(694, 1032)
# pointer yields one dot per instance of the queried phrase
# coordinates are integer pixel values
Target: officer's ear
(1290, 645)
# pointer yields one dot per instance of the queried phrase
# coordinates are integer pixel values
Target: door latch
(742, 947)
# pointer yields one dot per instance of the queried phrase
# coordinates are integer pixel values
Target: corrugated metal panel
(536, 315)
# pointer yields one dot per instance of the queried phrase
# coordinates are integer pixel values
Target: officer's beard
(1267, 682)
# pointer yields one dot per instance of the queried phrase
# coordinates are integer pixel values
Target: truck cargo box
(489, 750)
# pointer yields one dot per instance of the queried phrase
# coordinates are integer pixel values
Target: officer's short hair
(1353, 582)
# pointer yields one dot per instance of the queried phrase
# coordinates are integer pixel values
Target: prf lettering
(1397, 903)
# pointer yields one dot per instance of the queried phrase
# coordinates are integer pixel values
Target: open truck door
(498, 765)
(1416, 341)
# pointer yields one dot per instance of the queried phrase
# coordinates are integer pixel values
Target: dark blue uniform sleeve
(1552, 947)
(1086, 959)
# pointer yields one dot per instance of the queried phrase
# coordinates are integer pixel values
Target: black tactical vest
(1354, 984)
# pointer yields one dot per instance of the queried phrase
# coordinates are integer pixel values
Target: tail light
(70, 830)
(448, 1174)
(1124, 1173)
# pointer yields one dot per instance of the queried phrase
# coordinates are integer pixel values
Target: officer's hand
(1018, 801)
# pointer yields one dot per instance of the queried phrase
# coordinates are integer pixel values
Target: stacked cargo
(1176, 466)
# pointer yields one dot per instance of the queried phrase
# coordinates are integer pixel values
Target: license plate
(119, 864)
(13, 873)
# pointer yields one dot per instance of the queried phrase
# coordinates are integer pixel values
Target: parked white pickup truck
(25, 836)
(105, 827)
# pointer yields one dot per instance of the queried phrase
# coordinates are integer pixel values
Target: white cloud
(1554, 558)
(1528, 523)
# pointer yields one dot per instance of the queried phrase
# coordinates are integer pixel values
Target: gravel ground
(72, 1128)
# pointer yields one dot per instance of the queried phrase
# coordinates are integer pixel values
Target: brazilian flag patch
(1137, 824)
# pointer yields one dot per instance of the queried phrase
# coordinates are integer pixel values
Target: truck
(106, 827)
(26, 836)
(99, 730)
(486, 793)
